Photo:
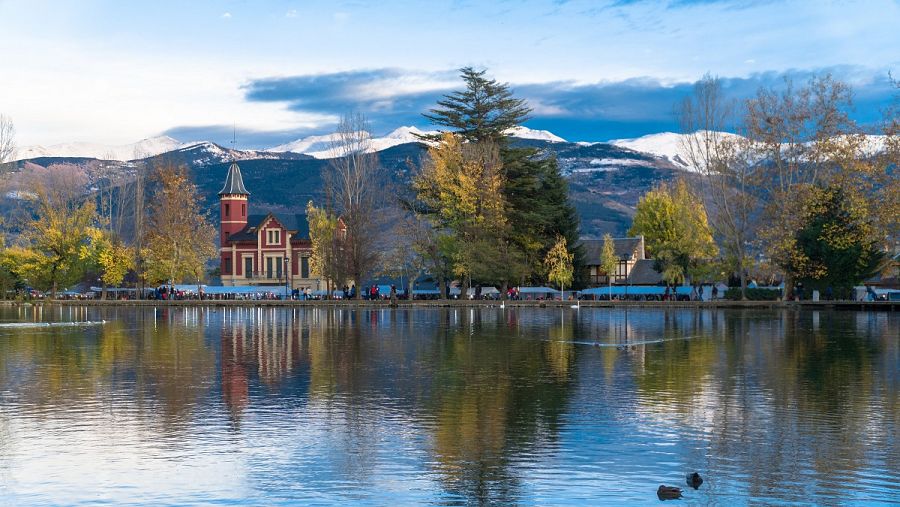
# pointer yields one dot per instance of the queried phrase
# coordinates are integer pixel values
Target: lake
(447, 406)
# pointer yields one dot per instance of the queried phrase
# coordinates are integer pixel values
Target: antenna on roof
(233, 140)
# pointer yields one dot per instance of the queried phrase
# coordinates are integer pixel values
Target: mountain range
(606, 179)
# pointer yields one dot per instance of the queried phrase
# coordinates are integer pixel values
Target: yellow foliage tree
(609, 262)
(325, 260)
(180, 238)
(49, 254)
(109, 255)
(559, 264)
(674, 225)
(462, 184)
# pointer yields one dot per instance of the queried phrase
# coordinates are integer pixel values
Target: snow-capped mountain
(123, 152)
(540, 135)
(307, 144)
(317, 146)
(665, 145)
(328, 146)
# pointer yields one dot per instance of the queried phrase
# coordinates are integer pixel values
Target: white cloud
(291, 13)
(226, 15)
(112, 98)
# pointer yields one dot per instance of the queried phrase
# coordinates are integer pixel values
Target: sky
(115, 72)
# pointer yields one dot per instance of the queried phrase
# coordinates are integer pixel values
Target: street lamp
(287, 274)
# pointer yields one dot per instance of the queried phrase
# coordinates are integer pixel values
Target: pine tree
(481, 112)
(536, 194)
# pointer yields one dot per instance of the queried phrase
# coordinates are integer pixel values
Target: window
(273, 237)
(243, 210)
(227, 209)
(304, 267)
(226, 265)
(248, 267)
(274, 267)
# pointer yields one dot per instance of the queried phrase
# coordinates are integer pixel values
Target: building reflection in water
(265, 343)
(451, 406)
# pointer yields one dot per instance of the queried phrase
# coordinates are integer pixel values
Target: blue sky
(115, 72)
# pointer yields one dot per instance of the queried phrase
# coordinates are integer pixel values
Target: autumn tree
(180, 239)
(403, 259)
(326, 238)
(805, 139)
(558, 263)
(49, 250)
(435, 248)
(673, 221)
(461, 185)
(837, 245)
(791, 131)
(137, 192)
(536, 194)
(725, 167)
(106, 253)
(355, 189)
(609, 261)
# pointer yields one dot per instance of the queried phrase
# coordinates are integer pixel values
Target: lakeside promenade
(385, 304)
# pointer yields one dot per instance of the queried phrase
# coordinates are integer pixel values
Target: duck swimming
(668, 492)
(694, 480)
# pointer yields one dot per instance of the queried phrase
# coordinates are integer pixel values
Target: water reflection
(448, 406)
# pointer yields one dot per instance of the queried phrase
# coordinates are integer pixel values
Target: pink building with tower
(262, 250)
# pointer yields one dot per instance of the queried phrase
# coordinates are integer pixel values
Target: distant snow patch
(540, 135)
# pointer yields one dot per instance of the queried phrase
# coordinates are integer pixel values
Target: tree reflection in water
(459, 405)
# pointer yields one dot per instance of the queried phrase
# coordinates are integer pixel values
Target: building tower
(232, 204)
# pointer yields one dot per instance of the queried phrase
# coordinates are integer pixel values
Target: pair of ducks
(672, 492)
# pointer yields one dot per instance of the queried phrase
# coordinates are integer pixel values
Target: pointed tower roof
(234, 182)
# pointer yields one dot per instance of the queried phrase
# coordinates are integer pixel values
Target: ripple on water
(185, 406)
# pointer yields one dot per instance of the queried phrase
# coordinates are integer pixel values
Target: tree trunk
(103, 292)
(409, 291)
(743, 284)
(504, 290)
(442, 287)
(53, 290)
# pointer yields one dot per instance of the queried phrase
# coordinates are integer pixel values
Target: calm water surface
(442, 406)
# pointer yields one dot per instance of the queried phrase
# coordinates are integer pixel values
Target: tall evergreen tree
(481, 112)
(535, 191)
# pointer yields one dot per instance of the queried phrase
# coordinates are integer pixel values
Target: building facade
(633, 268)
(264, 249)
